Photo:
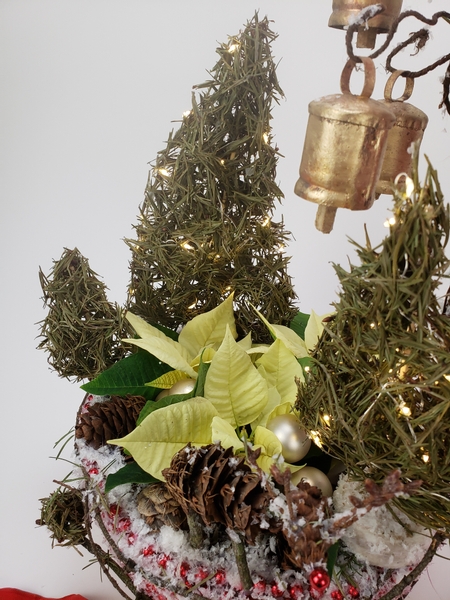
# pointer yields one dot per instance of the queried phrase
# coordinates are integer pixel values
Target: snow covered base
(168, 568)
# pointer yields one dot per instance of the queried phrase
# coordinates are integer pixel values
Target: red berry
(220, 577)
(353, 592)
(201, 574)
(114, 510)
(337, 595)
(93, 471)
(184, 568)
(276, 592)
(296, 591)
(260, 586)
(163, 560)
(131, 538)
(319, 580)
(123, 524)
(148, 551)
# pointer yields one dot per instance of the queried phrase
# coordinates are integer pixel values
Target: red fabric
(13, 594)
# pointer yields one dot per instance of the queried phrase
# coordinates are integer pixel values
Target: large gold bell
(345, 12)
(405, 136)
(344, 147)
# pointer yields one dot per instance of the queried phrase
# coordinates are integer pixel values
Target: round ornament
(184, 386)
(294, 439)
(319, 580)
(315, 477)
(162, 394)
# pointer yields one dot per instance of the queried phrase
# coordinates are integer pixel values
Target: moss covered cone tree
(378, 392)
(205, 226)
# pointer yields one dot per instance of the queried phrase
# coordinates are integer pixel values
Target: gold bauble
(344, 148)
(162, 395)
(405, 136)
(345, 13)
(183, 386)
(315, 477)
(294, 440)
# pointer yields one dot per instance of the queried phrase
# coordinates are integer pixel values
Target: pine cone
(107, 420)
(303, 543)
(159, 507)
(220, 487)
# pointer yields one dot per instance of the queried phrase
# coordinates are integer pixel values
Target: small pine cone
(303, 544)
(159, 507)
(107, 420)
(220, 487)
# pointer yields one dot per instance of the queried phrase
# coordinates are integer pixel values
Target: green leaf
(166, 431)
(200, 385)
(332, 555)
(298, 324)
(129, 376)
(130, 473)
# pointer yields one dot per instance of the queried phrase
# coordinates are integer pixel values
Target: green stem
(195, 529)
(241, 561)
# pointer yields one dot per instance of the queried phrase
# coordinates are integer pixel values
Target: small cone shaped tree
(82, 330)
(205, 225)
(378, 392)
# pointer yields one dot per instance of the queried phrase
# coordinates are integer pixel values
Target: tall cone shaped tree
(381, 371)
(205, 225)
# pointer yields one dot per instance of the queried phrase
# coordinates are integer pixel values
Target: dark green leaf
(130, 473)
(299, 323)
(332, 555)
(305, 361)
(128, 376)
(199, 389)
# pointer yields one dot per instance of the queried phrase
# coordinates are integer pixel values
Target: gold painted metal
(405, 136)
(346, 11)
(344, 148)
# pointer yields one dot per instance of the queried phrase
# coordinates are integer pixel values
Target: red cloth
(13, 594)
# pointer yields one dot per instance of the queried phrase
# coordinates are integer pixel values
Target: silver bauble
(315, 477)
(184, 386)
(294, 439)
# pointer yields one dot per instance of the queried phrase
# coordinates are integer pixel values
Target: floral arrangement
(229, 446)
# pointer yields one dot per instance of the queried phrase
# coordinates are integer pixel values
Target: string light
(425, 458)
(233, 47)
(316, 438)
(390, 222)
(265, 138)
(163, 172)
(405, 410)
(187, 246)
(266, 222)
(187, 113)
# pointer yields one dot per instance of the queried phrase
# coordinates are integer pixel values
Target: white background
(88, 92)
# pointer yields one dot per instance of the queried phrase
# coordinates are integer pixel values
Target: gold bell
(345, 12)
(344, 148)
(405, 136)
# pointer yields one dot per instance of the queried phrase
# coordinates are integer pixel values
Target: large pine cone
(156, 503)
(107, 420)
(220, 487)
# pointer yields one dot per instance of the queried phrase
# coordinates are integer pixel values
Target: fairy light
(372, 325)
(316, 438)
(307, 369)
(326, 418)
(390, 222)
(425, 458)
(193, 305)
(447, 377)
(409, 183)
(405, 410)
(187, 246)
(265, 138)
(163, 172)
(222, 162)
(187, 113)
(233, 47)
(266, 222)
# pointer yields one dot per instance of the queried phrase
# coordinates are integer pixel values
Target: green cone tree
(205, 226)
(378, 392)
(82, 330)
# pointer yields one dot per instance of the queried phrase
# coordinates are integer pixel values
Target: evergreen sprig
(381, 370)
(205, 226)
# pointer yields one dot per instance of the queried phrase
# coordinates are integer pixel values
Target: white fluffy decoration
(377, 537)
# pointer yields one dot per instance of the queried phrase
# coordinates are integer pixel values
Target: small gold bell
(345, 13)
(344, 147)
(405, 136)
